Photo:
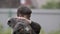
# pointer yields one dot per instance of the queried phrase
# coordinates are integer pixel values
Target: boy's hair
(23, 10)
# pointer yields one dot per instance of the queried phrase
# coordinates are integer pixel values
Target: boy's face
(27, 16)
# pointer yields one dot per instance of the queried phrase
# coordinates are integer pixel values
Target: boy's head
(24, 11)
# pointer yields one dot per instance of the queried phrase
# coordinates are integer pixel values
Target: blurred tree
(52, 5)
(58, 5)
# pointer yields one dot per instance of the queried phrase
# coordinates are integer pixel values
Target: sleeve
(36, 27)
(11, 22)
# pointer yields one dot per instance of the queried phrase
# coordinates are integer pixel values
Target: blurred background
(45, 12)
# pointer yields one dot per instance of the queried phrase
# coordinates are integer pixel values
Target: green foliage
(4, 31)
(54, 32)
(42, 31)
(1, 28)
(57, 31)
(7, 31)
(52, 5)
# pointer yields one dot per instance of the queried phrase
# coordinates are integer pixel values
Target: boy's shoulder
(35, 23)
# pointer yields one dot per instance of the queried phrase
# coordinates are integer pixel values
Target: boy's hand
(29, 21)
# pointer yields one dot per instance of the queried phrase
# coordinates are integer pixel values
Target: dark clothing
(35, 26)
